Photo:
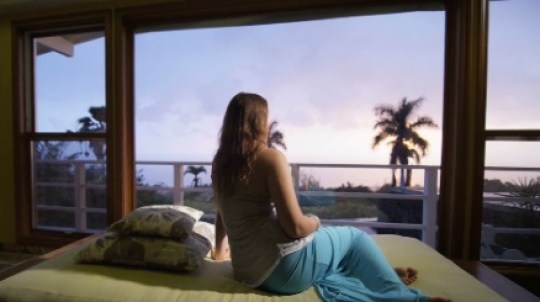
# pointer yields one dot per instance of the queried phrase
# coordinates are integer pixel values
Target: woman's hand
(222, 254)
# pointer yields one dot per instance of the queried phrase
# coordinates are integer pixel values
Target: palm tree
(394, 122)
(275, 137)
(195, 171)
(96, 122)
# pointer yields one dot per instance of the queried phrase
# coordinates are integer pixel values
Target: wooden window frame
(119, 184)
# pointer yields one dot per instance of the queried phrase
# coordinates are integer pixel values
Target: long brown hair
(244, 131)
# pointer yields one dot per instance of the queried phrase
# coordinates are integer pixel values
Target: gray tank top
(256, 239)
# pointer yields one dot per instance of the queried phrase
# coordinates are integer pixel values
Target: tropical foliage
(275, 137)
(94, 123)
(530, 189)
(196, 182)
(520, 210)
(396, 123)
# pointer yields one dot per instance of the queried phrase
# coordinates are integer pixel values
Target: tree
(395, 122)
(275, 137)
(96, 122)
(195, 171)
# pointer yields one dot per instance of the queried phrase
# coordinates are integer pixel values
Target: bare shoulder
(271, 156)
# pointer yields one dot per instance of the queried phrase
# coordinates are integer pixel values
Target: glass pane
(68, 174)
(203, 201)
(55, 196)
(511, 212)
(513, 65)
(96, 221)
(70, 83)
(153, 197)
(96, 174)
(323, 80)
(96, 198)
(161, 175)
(55, 219)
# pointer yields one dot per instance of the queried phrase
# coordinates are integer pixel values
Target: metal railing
(429, 195)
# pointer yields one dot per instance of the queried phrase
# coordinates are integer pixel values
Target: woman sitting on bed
(273, 246)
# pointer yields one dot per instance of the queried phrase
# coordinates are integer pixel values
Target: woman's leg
(344, 264)
(360, 271)
(293, 274)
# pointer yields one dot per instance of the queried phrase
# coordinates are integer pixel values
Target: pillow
(207, 230)
(150, 252)
(165, 221)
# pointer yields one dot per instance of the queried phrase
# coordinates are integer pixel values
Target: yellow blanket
(60, 279)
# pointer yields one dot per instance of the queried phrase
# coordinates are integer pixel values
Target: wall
(7, 202)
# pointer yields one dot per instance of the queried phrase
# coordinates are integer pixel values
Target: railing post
(178, 184)
(80, 197)
(295, 171)
(431, 199)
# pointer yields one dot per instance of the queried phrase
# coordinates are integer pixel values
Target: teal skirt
(343, 264)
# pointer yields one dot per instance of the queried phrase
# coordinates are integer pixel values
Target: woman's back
(255, 236)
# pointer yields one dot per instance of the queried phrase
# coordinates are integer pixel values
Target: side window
(511, 208)
(66, 128)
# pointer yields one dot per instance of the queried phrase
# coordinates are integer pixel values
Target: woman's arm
(290, 217)
(221, 249)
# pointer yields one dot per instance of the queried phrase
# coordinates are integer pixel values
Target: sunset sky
(322, 80)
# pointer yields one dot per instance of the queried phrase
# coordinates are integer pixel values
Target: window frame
(24, 119)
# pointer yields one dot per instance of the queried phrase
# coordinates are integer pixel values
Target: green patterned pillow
(150, 252)
(166, 221)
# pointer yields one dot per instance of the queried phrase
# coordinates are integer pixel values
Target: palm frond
(275, 137)
(195, 170)
(423, 121)
(414, 155)
(419, 142)
(378, 139)
(384, 123)
(385, 109)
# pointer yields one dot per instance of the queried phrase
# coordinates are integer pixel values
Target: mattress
(60, 279)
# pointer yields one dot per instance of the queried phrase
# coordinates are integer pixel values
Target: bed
(61, 279)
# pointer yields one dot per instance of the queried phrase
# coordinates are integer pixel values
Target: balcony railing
(428, 195)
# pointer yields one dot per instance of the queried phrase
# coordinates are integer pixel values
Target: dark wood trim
(513, 135)
(21, 166)
(513, 267)
(462, 164)
(499, 283)
(526, 275)
(121, 137)
(267, 11)
(62, 24)
(50, 239)
(31, 262)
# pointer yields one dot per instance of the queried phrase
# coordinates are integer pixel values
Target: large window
(323, 80)
(511, 211)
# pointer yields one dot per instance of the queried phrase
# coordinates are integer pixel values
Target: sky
(322, 80)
